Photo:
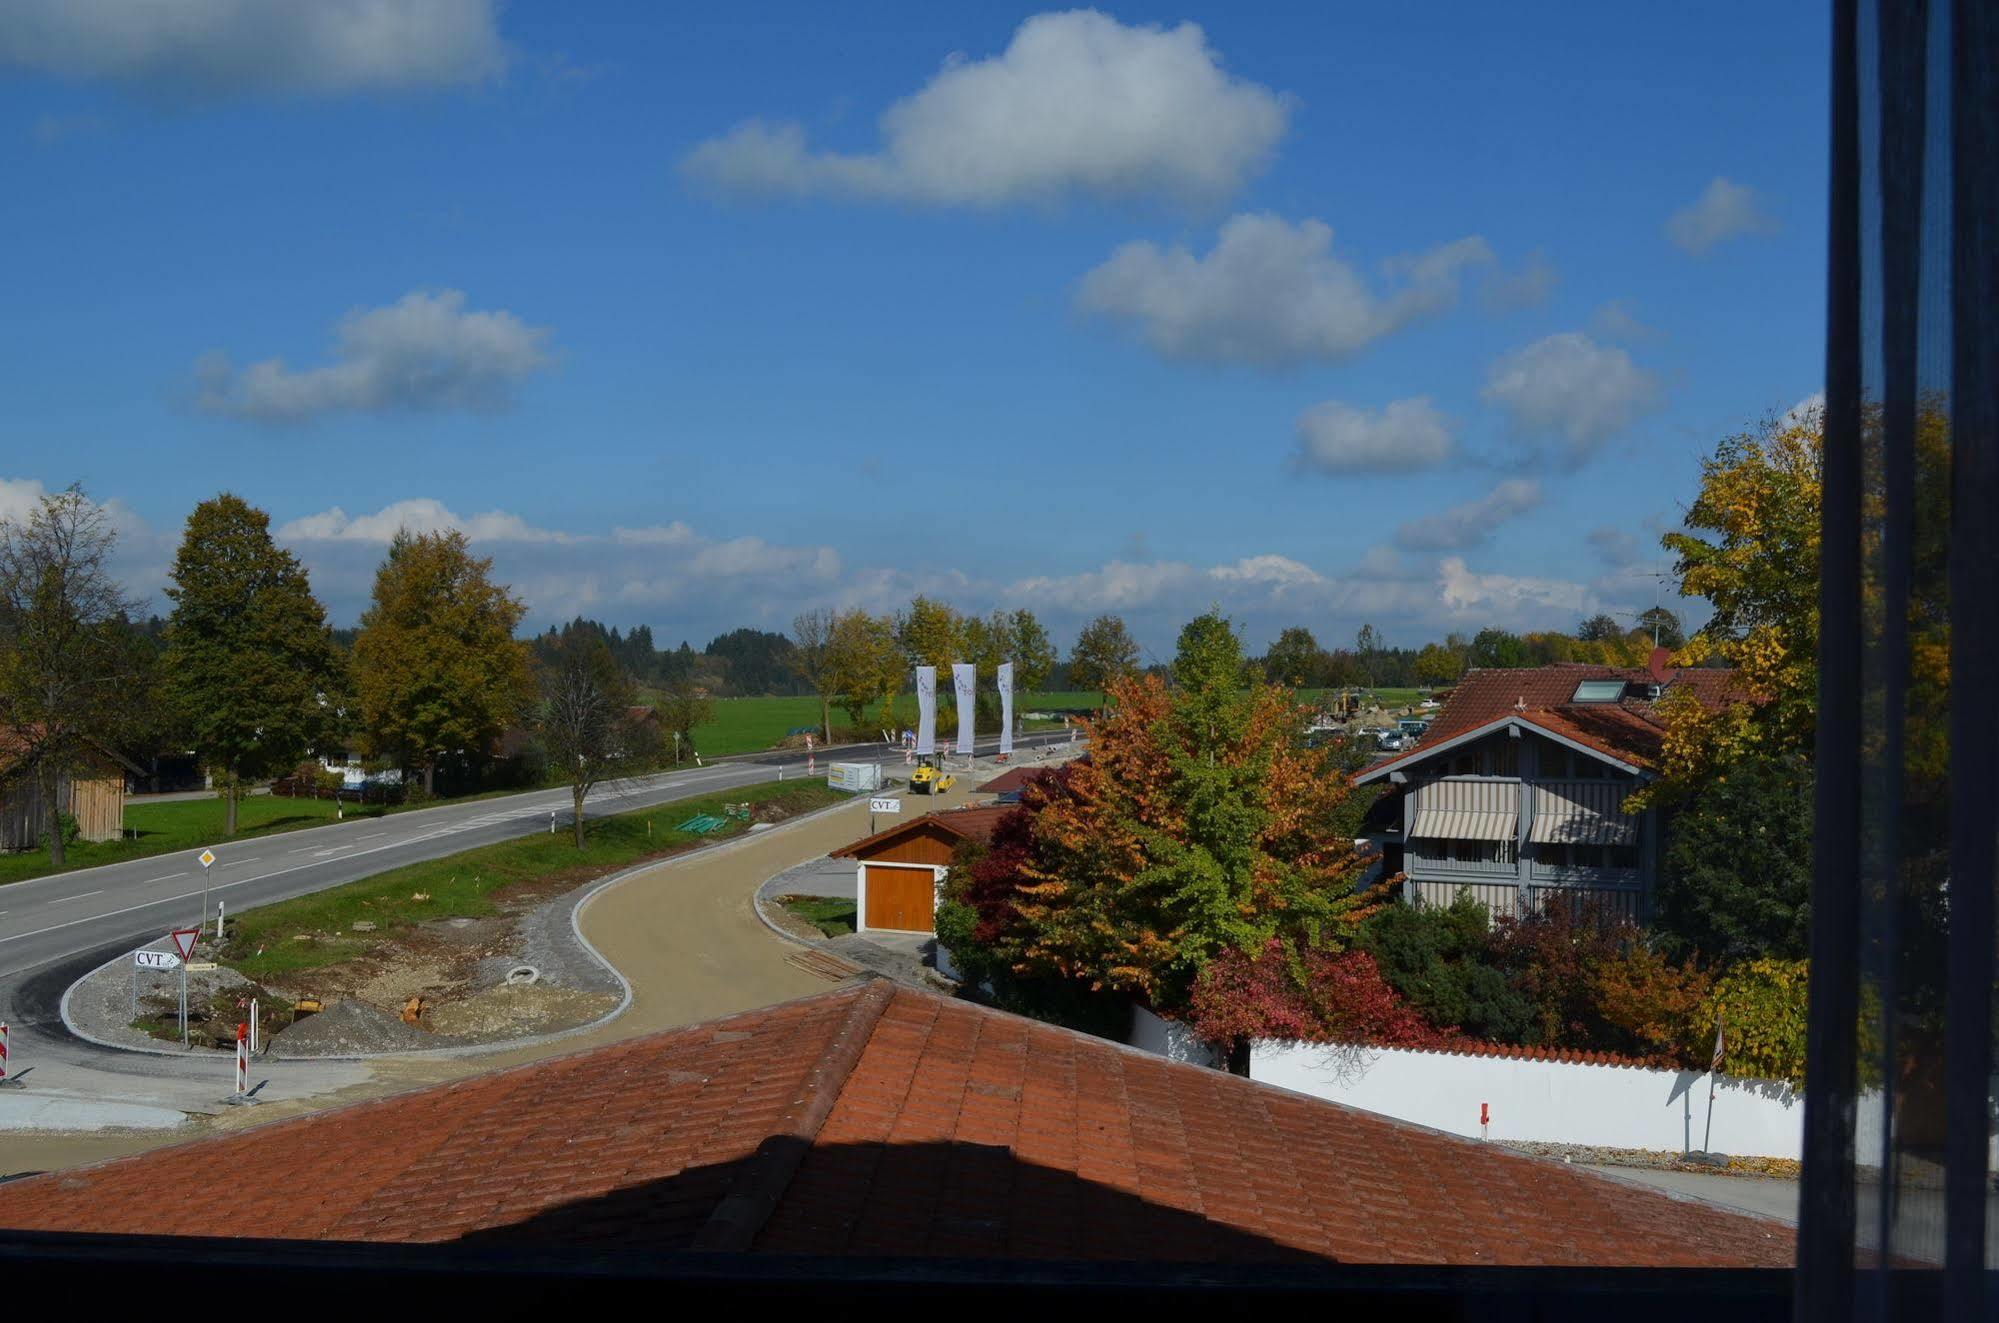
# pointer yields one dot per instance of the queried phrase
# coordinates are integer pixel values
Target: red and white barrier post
(6, 1081)
(1484, 1121)
(242, 1061)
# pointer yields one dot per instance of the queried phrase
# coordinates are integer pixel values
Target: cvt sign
(155, 960)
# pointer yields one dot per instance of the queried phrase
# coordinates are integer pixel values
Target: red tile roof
(881, 1120)
(1017, 778)
(972, 822)
(1628, 730)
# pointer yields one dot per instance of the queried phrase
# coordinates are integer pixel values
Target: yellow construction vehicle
(929, 778)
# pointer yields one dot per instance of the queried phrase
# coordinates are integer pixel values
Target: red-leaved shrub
(1342, 999)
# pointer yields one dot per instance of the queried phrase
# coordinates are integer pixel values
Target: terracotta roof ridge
(754, 1196)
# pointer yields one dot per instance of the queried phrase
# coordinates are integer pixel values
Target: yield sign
(184, 940)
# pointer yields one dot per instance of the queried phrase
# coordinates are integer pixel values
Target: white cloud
(1528, 287)
(1269, 293)
(207, 48)
(1077, 103)
(1338, 438)
(419, 515)
(1572, 388)
(423, 352)
(1505, 597)
(1722, 212)
(1615, 321)
(1473, 521)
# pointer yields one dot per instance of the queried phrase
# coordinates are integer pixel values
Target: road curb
(595, 890)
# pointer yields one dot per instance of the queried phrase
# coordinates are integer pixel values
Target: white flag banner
(926, 709)
(1006, 707)
(965, 680)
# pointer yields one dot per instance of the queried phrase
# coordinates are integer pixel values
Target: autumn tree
(590, 723)
(932, 633)
(866, 662)
(1198, 825)
(1030, 650)
(67, 659)
(1104, 651)
(250, 665)
(812, 660)
(436, 666)
(1437, 664)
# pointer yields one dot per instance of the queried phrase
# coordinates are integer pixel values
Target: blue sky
(1417, 315)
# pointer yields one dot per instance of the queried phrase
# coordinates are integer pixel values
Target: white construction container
(854, 776)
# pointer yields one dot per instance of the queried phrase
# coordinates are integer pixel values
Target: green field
(831, 915)
(317, 930)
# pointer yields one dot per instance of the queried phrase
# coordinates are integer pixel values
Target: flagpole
(1713, 1074)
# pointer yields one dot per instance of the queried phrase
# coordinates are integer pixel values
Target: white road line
(168, 878)
(63, 900)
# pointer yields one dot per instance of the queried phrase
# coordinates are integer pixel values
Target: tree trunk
(1238, 1063)
(51, 781)
(429, 779)
(576, 796)
(826, 717)
(230, 789)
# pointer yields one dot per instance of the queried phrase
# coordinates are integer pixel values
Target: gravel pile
(352, 1028)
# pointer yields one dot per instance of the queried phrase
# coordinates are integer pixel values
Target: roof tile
(879, 1119)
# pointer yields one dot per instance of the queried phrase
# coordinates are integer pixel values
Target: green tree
(589, 726)
(250, 664)
(1104, 650)
(1497, 648)
(1295, 660)
(68, 661)
(1661, 628)
(1737, 875)
(866, 663)
(436, 666)
(1598, 628)
(684, 706)
(1030, 649)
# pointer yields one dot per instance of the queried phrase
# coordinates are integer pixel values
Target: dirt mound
(351, 1028)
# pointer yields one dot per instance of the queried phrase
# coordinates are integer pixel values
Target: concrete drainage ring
(522, 975)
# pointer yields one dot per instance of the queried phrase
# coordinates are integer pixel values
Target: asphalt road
(53, 930)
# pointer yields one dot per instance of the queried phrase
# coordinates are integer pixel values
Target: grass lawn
(745, 725)
(831, 915)
(182, 825)
(317, 930)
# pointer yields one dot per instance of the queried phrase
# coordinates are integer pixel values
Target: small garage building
(898, 872)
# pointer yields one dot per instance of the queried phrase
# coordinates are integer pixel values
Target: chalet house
(1517, 790)
(94, 795)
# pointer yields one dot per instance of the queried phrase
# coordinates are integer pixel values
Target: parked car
(1394, 741)
(1429, 702)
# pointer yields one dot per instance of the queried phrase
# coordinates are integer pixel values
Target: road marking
(60, 900)
(371, 836)
(168, 878)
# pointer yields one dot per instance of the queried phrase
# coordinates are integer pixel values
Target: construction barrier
(242, 1060)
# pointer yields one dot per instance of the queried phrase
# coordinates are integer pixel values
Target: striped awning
(1465, 811)
(1582, 813)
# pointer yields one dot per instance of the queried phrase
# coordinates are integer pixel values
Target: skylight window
(1599, 691)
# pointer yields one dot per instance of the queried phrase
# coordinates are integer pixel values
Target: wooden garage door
(901, 899)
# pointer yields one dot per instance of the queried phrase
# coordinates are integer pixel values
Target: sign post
(184, 939)
(207, 858)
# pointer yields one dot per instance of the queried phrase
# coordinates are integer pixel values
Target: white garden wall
(1549, 1101)
(1169, 1039)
